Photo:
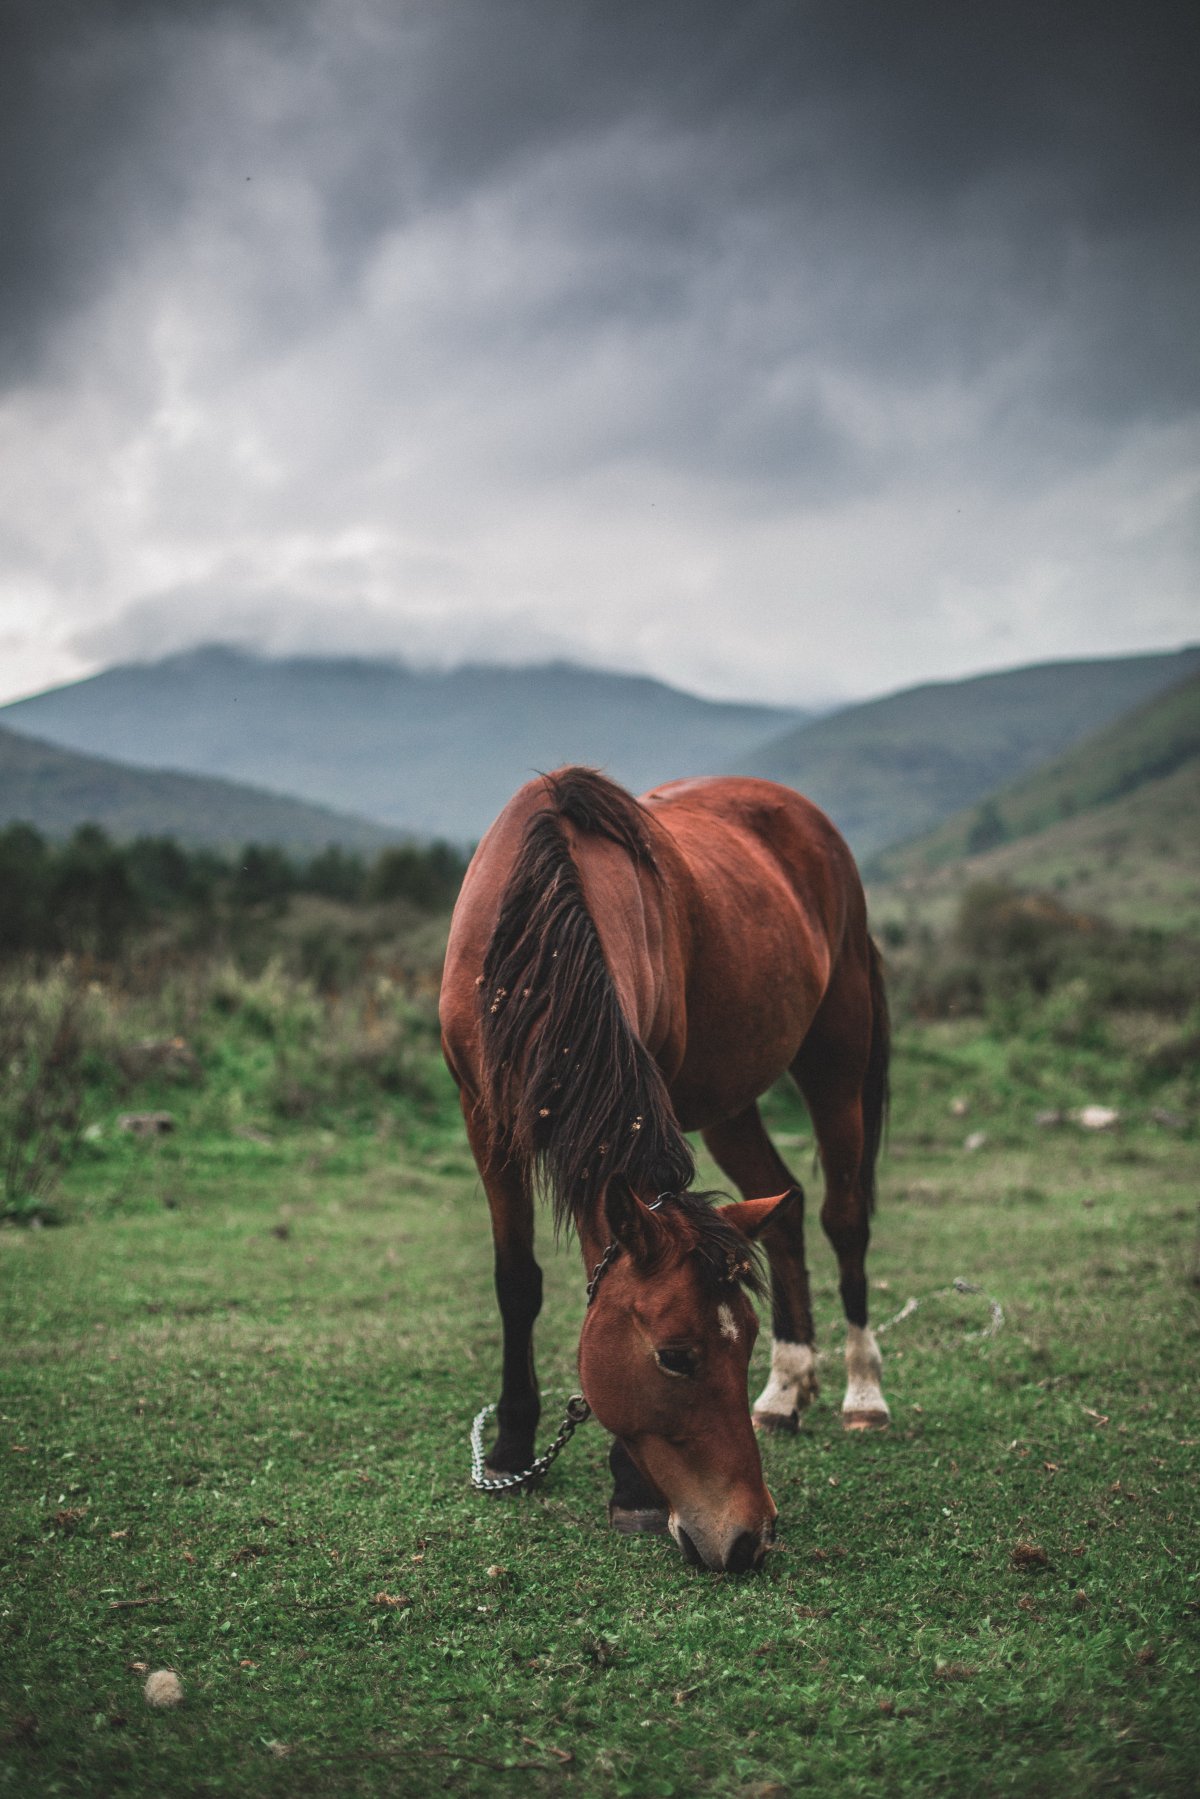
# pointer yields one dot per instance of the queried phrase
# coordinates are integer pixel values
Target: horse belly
(742, 1035)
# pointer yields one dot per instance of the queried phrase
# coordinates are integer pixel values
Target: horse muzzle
(727, 1550)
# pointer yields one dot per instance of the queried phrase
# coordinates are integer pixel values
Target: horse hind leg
(742, 1150)
(831, 1071)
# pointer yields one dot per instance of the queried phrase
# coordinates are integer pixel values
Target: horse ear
(752, 1216)
(633, 1225)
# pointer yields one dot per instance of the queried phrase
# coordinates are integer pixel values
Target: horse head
(664, 1357)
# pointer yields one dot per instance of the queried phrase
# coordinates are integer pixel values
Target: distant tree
(987, 829)
(92, 899)
(25, 868)
(163, 874)
(263, 875)
(335, 874)
(427, 875)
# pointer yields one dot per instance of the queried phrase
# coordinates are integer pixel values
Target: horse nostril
(744, 1554)
(690, 1552)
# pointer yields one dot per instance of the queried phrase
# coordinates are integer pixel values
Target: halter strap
(613, 1251)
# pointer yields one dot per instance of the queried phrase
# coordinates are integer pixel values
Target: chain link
(577, 1413)
(958, 1285)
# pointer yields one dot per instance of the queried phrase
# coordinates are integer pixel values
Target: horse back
(774, 910)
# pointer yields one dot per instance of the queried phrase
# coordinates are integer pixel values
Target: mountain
(1156, 740)
(1111, 827)
(421, 751)
(892, 768)
(56, 789)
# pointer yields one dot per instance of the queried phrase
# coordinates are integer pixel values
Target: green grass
(234, 1402)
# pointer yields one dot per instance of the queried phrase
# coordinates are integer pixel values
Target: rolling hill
(421, 751)
(57, 789)
(1111, 827)
(895, 767)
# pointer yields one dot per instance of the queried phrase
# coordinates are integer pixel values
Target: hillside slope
(1112, 828)
(1156, 740)
(895, 767)
(423, 751)
(56, 789)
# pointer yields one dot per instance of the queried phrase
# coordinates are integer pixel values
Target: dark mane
(570, 1092)
(598, 806)
(725, 1257)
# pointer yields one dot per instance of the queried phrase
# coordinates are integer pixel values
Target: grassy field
(234, 1402)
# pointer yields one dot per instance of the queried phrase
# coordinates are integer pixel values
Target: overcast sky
(785, 351)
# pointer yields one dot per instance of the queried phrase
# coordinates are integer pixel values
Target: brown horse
(619, 972)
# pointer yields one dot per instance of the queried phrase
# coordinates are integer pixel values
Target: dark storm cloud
(419, 316)
(1059, 143)
(88, 164)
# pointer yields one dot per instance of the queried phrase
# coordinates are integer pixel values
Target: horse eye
(676, 1361)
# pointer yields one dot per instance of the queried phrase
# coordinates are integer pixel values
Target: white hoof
(864, 1407)
(791, 1388)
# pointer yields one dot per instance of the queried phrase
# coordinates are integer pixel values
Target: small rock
(163, 1688)
(975, 1141)
(1098, 1118)
(146, 1124)
(169, 1057)
(959, 1107)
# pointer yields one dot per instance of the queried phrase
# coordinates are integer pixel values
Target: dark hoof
(641, 1520)
(866, 1420)
(776, 1421)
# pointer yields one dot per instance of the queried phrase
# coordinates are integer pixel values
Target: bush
(1024, 959)
(42, 1078)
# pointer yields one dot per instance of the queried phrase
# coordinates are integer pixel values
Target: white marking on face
(793, 1382)
(864, 1371)
(726, 1321)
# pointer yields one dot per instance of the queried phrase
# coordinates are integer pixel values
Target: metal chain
(958, 1285)
(577, 1413)
(601, 1269)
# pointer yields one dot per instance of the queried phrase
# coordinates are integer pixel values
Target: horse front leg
(518, 1281)
(743, 1150)
(636, 1504)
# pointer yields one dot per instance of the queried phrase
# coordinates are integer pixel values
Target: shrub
(42, 1079)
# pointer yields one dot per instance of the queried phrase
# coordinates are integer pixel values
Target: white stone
(163, 1687)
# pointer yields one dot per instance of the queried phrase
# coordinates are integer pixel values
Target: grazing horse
(621, 971)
